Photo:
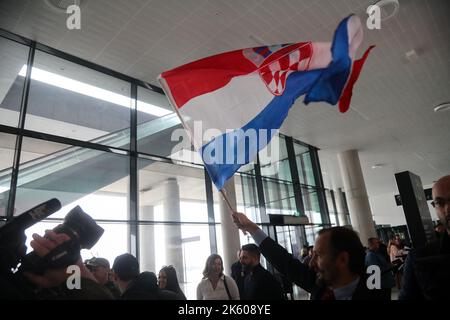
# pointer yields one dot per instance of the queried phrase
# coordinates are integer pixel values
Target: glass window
(113, 242)
(279, 197)
(95, 180)
(274, 161)
(284, 238)
(311, 203)
(311, 234)
(159, 130)
(247, 196)
(7, 146)
(13, 56)
(331, 211)
(296, 240)
(185, 246)
(304, 165)
(73, 101)
(176, 192)
(277, 180)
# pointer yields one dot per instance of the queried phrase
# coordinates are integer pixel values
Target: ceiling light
(377, 166)
(91, 91)
(442, 107)
(388, 8)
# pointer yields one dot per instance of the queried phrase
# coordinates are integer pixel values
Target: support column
(173, 241)
(230, 233)
(147, 240)
(357, 200)
(340, 207)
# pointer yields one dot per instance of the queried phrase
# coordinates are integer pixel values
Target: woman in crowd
(396, 254)
(215, 285)
(168, 280)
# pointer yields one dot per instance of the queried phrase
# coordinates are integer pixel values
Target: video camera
(82, 230)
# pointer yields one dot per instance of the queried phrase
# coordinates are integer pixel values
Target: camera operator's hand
(52, 277)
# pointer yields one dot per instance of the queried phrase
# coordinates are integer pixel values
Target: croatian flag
(231, 104)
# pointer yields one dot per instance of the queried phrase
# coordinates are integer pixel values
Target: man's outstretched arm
(278, 256)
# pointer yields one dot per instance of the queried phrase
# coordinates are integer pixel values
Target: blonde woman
(215, 285)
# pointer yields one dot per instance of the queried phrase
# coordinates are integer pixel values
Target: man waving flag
(232, 103)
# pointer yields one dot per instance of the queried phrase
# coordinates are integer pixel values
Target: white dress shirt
(205, 290)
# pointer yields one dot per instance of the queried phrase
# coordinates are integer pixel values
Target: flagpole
(222, 191)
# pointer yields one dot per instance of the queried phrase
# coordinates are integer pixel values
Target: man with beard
(426, 272)
(256, 283)
(339, 263)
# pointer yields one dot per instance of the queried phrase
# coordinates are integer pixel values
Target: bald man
(427, 270)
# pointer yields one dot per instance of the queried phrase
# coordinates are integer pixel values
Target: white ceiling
(391, 120)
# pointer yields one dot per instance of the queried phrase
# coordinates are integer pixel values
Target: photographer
(53, 270)
(54, 280)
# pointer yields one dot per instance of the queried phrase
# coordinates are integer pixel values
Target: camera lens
(83, 232)
(79, 225)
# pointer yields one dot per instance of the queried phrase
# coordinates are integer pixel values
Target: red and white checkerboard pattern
(276, 72)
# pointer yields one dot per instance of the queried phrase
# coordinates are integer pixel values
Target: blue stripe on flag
(332, 81)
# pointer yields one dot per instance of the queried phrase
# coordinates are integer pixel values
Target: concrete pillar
(173, 241)
(147, 240)
(340, 207)
(230, 233)
(355, 190)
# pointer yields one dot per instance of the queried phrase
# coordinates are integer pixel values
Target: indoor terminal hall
(260, 151)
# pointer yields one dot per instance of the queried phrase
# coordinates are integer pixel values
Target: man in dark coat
(256, 282)
(339, 255)
(427, 270)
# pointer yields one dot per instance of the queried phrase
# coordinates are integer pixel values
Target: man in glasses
(427, 270)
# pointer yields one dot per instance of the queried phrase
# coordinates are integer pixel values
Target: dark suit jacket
(426, 272)
(305, 277)
(238, 276)
(261, 285)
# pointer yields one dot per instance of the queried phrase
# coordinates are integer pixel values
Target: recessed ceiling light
(378, 166)
(442, 107)
(388, 8)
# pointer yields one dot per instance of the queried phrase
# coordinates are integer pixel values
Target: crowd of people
(335, 268)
